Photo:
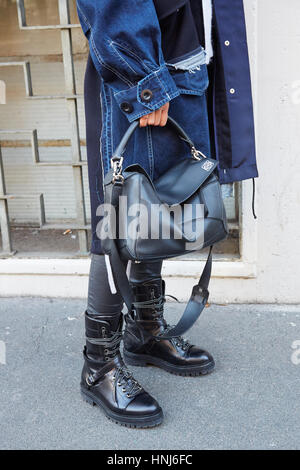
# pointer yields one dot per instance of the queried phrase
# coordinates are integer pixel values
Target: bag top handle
(117, 158)
(122, 145)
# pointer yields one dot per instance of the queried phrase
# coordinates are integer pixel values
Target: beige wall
(278, 126)
(275, 52)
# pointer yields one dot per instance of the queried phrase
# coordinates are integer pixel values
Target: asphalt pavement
(250, 401)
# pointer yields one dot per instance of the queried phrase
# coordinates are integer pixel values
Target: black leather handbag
(162, 224)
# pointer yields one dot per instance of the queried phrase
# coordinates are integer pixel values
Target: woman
(149, 58)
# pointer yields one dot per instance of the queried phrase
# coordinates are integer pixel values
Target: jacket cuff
(149, 94)
(244, 172)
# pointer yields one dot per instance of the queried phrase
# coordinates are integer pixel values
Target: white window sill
(222, 267)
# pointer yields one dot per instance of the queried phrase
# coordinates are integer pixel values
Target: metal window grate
(71, 97)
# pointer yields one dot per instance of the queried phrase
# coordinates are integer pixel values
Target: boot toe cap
(144, 404)
(200, 356)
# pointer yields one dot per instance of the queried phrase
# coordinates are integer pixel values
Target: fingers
(144, 120)
(157, 118)
(164, 115)
(152, 118)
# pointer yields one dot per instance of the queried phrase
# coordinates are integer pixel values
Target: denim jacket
(125, 45)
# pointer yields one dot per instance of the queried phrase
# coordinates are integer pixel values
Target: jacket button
(227, 43)
(126, 107)
(146, 95)
(232, 91)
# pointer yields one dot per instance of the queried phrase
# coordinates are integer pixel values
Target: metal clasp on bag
(195, 154)
(117, 170)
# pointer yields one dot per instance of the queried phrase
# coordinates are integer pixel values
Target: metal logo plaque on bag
(207, 166)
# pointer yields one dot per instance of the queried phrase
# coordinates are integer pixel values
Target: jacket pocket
(190, 72)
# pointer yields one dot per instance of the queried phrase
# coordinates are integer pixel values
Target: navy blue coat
(125, 47)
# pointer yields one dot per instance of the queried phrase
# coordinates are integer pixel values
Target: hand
(157, 118)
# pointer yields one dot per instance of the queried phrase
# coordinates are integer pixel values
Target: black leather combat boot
(105, 380)
(177, 355)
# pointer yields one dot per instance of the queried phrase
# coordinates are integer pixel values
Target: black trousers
(101, 300)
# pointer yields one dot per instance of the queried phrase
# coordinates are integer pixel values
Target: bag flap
(182, 180)
(178, 183)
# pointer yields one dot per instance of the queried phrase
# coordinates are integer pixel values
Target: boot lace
(157, 305)
(111, 344)
(122, 376)
(178, 341)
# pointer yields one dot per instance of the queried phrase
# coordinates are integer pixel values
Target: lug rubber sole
(143, 360)
(142, 422)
